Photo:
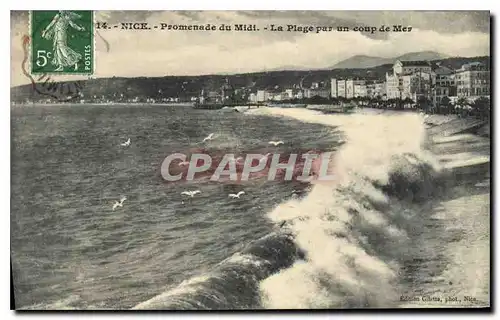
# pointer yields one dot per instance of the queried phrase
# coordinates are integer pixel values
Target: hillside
(187, 86)
(363, 61)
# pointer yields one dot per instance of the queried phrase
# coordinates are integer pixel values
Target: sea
(405, 224)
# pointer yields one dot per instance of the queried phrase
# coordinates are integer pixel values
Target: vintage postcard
(229, 160)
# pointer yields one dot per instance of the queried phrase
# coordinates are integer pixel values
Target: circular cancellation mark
(46, 84)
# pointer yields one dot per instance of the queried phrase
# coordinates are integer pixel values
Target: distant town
(427, 85)
(408, 83)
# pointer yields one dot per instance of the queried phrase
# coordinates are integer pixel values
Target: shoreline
(466, 125)
(172, 104)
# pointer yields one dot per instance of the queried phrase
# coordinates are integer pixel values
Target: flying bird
(126, 143)
(209, 137)
(190, 193)
(276, 143)
(119, 203)
(236, 195)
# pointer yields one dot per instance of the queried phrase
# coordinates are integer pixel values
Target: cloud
(162, 53)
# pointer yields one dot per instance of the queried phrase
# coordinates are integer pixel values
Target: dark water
(71, 250)
(408, 215)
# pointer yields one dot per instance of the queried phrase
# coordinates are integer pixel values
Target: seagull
(190, 193)
(119, 203)
(236, 195)
(209, 137)
(126, 143)
(276, 143)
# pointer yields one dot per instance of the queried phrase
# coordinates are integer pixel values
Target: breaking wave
(234, 284)
(344, 245)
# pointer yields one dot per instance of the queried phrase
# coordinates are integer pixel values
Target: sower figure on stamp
(64, 56)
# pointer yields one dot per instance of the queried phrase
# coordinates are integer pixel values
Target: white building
(473, 80)
(333, 87)
(360, 90)
(392, 83)
(380, 89)
(307, 93)
(276, 97)
(349, 89)
(409, 79)
(341, 88)
(262, 95)
(252, 97)
(324, 93)
(409, 67)
(446, 85)
(376, 89)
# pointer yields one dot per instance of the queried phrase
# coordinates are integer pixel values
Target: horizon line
(94, 77)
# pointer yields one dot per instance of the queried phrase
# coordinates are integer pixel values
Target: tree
(388, 103)
(423, 103)
(357, 100)
(398, 104)
(371, 102)
(461, 102)
(378, 101)
(446, 103)
(318, 100)
(408, 101)
(481, 107)
(460, 106)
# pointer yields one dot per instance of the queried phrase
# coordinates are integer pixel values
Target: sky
(133, 53)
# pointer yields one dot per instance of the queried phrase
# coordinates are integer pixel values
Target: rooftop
(419, 63)
(443, 70)
(474, 66)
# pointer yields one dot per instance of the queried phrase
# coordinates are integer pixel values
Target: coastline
(464, 154)
(469, 124)
(173, 104)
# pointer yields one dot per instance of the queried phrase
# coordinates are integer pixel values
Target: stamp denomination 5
(62, 42)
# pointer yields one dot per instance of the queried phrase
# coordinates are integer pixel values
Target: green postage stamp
(62, 42)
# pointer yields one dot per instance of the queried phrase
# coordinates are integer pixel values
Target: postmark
(62, 42)
(47, 84)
